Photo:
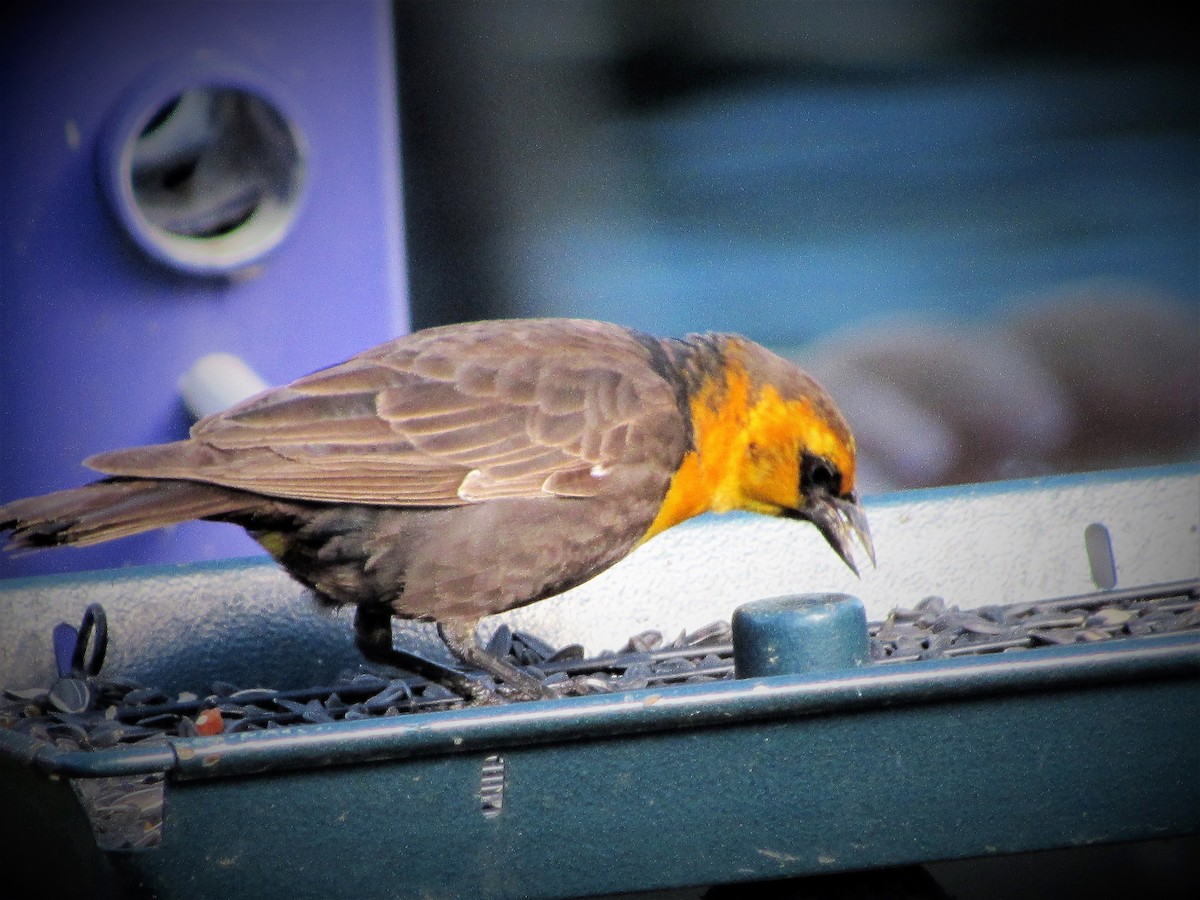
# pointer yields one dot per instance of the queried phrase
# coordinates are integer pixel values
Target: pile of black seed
(933, 630)
(98, 712)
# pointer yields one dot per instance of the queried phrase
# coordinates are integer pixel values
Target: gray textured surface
(1004, 542)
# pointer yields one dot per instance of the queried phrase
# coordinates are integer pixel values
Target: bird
(463, 470)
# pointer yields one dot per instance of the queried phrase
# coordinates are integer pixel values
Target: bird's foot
(514, 684)
(373, 634)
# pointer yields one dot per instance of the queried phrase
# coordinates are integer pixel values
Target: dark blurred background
(977, 222)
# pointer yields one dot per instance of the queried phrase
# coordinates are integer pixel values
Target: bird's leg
(373, 636)
(460, 638)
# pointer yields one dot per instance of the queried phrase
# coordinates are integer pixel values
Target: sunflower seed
(72, 695)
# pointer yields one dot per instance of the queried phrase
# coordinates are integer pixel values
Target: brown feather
(442, 417)
(112, 508)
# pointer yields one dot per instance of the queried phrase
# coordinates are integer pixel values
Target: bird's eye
(819, 475)
(822, 476)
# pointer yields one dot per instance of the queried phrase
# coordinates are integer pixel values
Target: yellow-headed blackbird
(460, 471)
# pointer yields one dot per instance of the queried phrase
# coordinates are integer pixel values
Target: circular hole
(209, 180)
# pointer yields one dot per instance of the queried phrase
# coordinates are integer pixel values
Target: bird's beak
(839, 519)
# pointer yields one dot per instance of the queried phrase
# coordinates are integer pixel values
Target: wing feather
(441, 417)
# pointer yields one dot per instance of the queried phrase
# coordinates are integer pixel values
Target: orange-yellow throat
(748, 441)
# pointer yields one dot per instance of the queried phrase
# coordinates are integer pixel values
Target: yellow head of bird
(768, 439)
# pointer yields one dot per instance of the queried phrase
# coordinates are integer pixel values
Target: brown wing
(442, 417)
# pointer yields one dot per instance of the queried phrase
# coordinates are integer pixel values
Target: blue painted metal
(799, 634)
(763, 778)
(93, 334)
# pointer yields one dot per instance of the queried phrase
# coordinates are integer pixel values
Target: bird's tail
(111, 508)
